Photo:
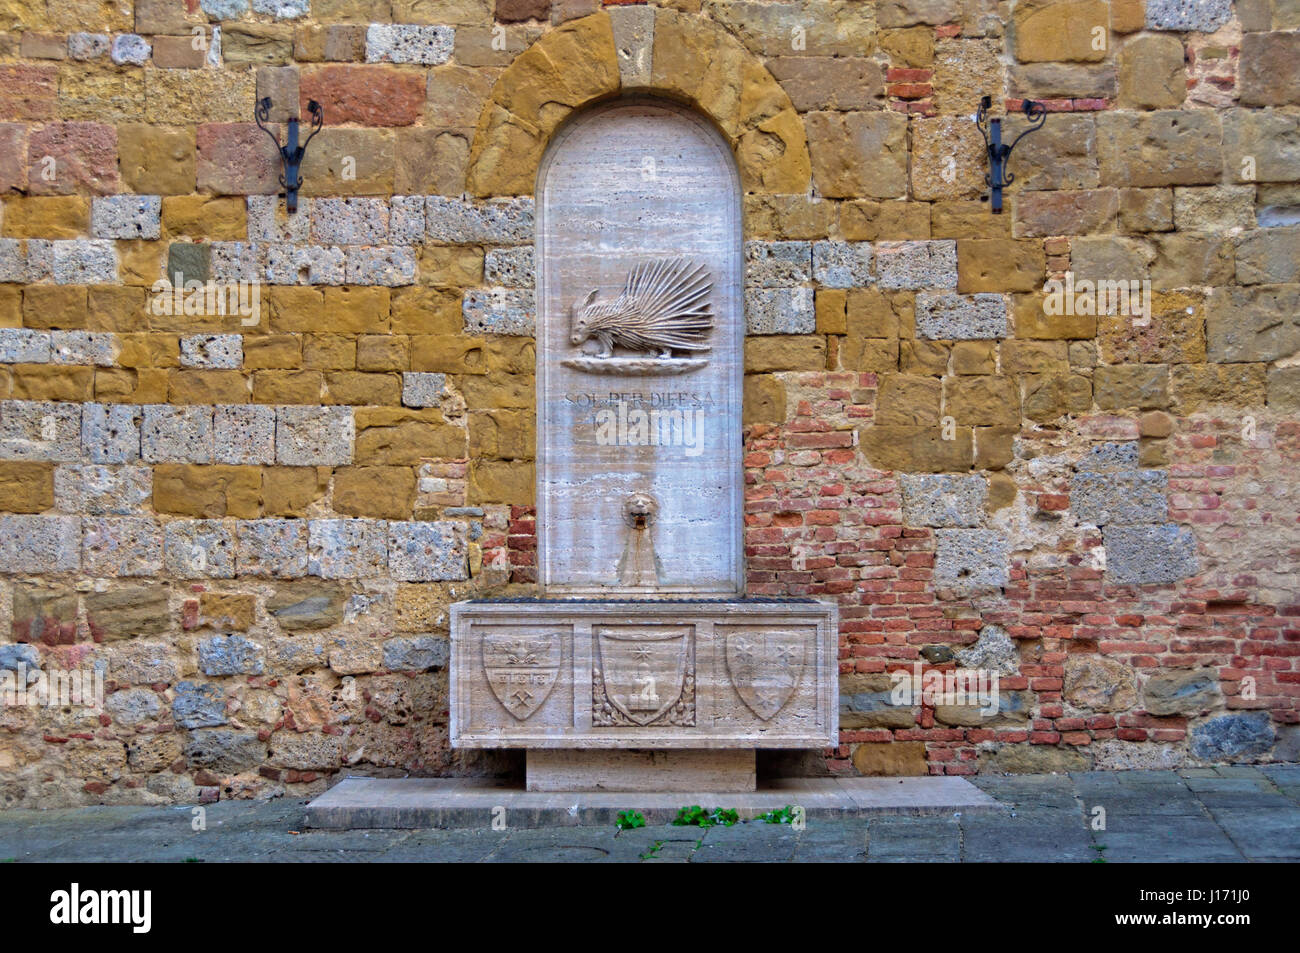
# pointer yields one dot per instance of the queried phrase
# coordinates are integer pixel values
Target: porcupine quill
(662, 308)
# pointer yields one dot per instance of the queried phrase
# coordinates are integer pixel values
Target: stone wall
(251, 523)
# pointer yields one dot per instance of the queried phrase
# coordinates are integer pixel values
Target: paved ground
(1223, 814)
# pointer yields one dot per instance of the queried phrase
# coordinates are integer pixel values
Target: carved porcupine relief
(663, 308)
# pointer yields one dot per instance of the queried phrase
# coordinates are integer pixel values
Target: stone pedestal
(723, 771)
(669, 675)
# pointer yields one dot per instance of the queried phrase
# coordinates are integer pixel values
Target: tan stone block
(1127, 16)
(1144, 386)
(455, 12)
(447, 354)
(11, 306)
(1152, 74)
(968, 219)
(501, 435)
(867, 220)
(829, 306)
(974, 357)
(502, 481)
(117, 308)
(101, 93)
(419, 309)
(1168, 147)
(908, 401)
(290, 491)
(913, 47)
(157, 160)
(288, 387)
(382, 492)
(179, 52)
(46, 216)
(963, 69)
(1034, 357)
(49, 382)
(432, 161)
(1000, 265)
(764, 400)
(361, 388)
(1191, 261)
(208, 492)
(1199, 386)
(785, 352)
(403, 437)
(499, 390)
(148, 350)
(26, 487)
(355, 310)
(983, 401)
(858, 154)
(1049, 396)
(181, 97)
(451, 266)
(1060, 30)
(420, 607)
(329, 352)
(1002, 492)
(788, 216)
(138, 386)
(140, 263)
(202, 386)
(1146, 210)
(215, 218)
(924, 357)
(1175, 334)
(55, 306)
(227, 610)
(890, 759)
(383, 352)
(1031, 321)
(272, 351)
(366, 155)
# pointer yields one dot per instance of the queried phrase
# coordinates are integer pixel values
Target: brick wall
(251, 523)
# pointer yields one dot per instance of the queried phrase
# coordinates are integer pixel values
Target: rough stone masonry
(251, 522)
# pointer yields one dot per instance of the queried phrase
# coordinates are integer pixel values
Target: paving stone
(427, 551)
(1120, 497)
(212, 350)
(121, 546)
(842, 264)
(347, 549)
(510, 311)
(1163, 552)
(970, 558)
(314, 436)
(40, 430)
(244, 434)
(778, 264)
(126, 216)
(941, 499)
(956, 317)
(494, 222)
(176, 434)
(271, 547)
(780, 311)
(199, 549)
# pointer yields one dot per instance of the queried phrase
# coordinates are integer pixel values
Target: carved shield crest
(765, 667)
(521, 668)
(643, 670)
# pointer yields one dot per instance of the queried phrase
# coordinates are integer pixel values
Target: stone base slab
(406, 803)
(552, 769)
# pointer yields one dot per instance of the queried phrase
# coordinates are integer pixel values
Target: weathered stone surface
(314, 436)
(970, 558)
(122, 546)
(224, 751)
(1243, 736)
(1260, 323)
(271, 547)
(427, 552)
(912, 265)
(950, 316)
(500, 311)
(826, 83)
(1270, 69)
(460, 221)
(133, 706)
(948, 159)
(198, 705)
(994, 650)
(841, 264)
(779, 311)
(1203, 16)
(127, 613)
(44, 614)
(1261, 145)
(1119, 497)
(890, 758)
(1269, 256)
(345, 549)
(858, 154)
(1168, 147)
(306, 752)
(366, 95)
(866, 701)
(423, 389)
(1059, 30)
(230, 655)
(176, 434)
(779, 264)
(1097, 683)
(509, 267)
(126, 216)
(943, 499)
(244, 434)
(308, 605)
(197, 549)
(1151, 73)
(1160, 553)
(416, 653)
(353, 221)
(403, 43)
(1038, 759)
(1188, 692)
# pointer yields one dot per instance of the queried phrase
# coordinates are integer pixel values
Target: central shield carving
(765, 667)
(643, 670)
(521, 668)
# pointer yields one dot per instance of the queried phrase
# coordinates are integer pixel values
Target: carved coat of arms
(765, 667)
(643, 676)
(521, 669)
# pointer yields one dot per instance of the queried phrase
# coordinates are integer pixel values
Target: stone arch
(647, 51)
